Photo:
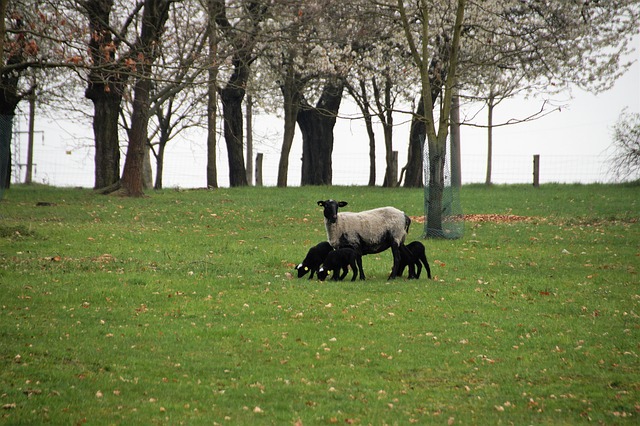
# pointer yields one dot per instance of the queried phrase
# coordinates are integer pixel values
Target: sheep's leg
(405, 261)
(354, 268)
(395, 249)
(359, 262)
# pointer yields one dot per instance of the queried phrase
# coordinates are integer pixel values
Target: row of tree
(152, 68)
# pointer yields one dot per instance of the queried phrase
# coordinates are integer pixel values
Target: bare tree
(316, 125)
(34, 40)
(435, 137)
(513, 47)
(212, 7)
(105, 86)
(241, 34)
(304, 55)
(154, 16)
(625, 161)
(176, 99)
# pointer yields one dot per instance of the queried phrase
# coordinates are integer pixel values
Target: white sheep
(367, 232)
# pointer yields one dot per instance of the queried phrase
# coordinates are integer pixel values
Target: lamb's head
(302, 270)
(331, 209)
(322, 273)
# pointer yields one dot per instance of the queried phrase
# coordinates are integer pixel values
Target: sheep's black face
(331, 209)
(302, 270)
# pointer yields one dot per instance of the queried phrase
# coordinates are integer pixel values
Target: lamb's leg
(419, 265)
(405, 261)
(412, 271)
(336, 274)
(426, 264)
(345, 271)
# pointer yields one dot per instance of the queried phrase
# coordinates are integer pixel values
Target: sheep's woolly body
(369, 231)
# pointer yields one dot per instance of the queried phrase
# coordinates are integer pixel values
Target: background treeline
(144, 71)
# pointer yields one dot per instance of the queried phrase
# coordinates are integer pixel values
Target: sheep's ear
(342, 203)
(321, 203)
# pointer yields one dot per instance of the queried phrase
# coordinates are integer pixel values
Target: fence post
(259, 169)
(536, 170)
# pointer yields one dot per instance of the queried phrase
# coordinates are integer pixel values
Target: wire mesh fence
(187, 170)
(68, 163)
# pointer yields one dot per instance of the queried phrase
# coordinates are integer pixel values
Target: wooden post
(259, 169)
(536, 171)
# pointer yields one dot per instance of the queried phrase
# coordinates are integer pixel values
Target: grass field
(181, 308)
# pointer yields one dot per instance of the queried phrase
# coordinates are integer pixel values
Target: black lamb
(341, 259)
(315, 257)
(413, 255)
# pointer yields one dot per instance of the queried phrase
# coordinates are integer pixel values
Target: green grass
(181, 308)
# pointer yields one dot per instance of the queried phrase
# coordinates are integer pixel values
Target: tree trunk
(362, 100)
(6, 132)
(249, 118)
(28, 179)
(316, 125)
(415, 154)
(160, 164)
(106, 112)
(456, 166)
(436, 75)
(132, 174)
(438, 141)
(147, 172)
(391, 173)
(443, 63)
(212, 96)
(437, 156)
(104, 89)
(231, 97)
(9, 99)
(291, 105)
(154, 16)
(242, 45)
(372, 150)
(490, 105)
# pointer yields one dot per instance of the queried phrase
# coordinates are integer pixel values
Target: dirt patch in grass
(494, 218)
(512, 218)
(15, 232)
